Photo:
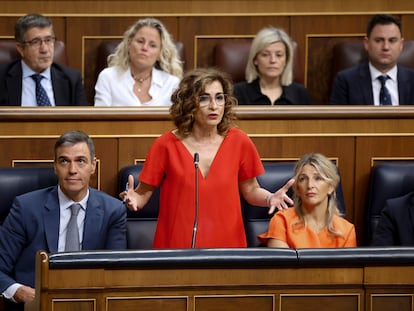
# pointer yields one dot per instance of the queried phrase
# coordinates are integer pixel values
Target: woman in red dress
(228, 164)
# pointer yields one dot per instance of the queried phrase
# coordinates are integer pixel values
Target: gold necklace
(140, 81)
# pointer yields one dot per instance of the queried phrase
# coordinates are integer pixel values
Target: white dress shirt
(115, 88)
(391, 84)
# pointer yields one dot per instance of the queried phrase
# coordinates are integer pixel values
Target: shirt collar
(392, 74)
(156, 76)
(27, 71)
(65, 202)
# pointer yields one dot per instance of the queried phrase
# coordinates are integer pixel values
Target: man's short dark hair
(27, 22)
(74, 137)
(383, 19)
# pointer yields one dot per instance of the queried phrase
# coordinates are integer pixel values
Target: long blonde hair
(169, 60)
(329, 173)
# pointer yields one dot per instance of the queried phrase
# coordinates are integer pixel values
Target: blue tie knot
(41, 97)
(383, 79)
(37, 77)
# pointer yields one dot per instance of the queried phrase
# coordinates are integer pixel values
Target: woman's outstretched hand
(280, 200)
(129, 196)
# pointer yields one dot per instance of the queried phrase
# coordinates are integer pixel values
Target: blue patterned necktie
(385, 97)
(41, 96)
(72, 232)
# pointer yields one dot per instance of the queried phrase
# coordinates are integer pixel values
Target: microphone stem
(193, 240)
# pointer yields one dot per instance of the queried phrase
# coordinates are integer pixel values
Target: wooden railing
(357, 137)
(354, 279)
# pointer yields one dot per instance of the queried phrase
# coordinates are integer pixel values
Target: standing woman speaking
(202, 112)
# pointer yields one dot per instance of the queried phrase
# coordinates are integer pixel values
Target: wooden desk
(225, 279)
(357, 137)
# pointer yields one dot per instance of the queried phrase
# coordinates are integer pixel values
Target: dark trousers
(12, 306)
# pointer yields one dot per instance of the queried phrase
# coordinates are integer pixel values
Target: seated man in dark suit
(35, 80)
(379, 81)
(67, 217)
(396, 225)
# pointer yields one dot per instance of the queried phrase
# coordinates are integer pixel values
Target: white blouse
(115, 88)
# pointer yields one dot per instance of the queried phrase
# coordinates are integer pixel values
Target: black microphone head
(196, 157)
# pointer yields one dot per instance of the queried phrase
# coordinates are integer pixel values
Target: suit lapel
(403, 86)
(93, 223)
(51, 216)
(366, 84)
(14, 84)
(60, 87)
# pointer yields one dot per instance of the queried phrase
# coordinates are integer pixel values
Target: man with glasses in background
(35, 80)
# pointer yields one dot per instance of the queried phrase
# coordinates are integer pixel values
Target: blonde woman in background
(315, 220)
(269, 72)
(144, 70)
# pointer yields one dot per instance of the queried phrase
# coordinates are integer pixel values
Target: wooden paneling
(200, 39)
(316, 35)
(201, 24)
(353, 136)
(186, 287)
(342, 302)
(202, 7)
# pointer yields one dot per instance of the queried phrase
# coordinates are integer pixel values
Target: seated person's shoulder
(240, 85)
(69, 71)
(350, 71)
(5, 67)
(407, 71)
(100, 195)
(402, 202)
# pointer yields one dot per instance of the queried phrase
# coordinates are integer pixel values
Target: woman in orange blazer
(315, 220)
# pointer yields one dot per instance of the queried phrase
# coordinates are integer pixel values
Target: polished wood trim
(354, 135)
(242, 112)
(355, 288)
(203, 8)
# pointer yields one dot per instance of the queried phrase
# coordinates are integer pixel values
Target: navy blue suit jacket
(67, 85)
(396, 225)
(353, 86)
(33, 225)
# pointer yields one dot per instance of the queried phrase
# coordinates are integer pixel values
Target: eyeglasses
(37, 42)
(206, 99)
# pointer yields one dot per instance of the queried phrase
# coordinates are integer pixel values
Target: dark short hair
(72, 138)
(383, 19)
(29, 21)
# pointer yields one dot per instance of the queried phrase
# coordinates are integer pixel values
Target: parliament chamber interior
(369, 145)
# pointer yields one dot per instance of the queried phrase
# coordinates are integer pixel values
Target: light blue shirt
(65, 213)
(29, 86)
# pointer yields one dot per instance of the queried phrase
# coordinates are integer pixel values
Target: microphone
(193, 240)
(196, 160)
